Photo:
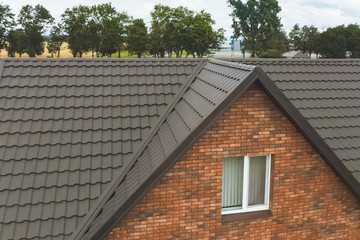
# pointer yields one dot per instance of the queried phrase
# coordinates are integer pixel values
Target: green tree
(16, 42)
(303, 39)
(179, 29)
(159, 43)
(352, 36)
(137, 38)
(331, 43)
(295, 38)
(57, 38)
(108, 29)
(203, 36)
(6, 23)
(34, 21)
(75, 21)
(277, 45)
(256, 21)
(308, 36)
(335, 42)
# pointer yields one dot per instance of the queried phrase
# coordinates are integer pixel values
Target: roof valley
(132, 159)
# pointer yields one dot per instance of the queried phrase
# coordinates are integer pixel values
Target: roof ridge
(83, 227)
(236, 65)
(166, 151)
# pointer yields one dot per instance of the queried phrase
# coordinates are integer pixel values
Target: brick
(307, 199)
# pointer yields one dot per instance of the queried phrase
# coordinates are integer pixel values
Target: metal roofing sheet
(66, 128)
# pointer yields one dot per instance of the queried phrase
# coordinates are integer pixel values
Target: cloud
(320, 13)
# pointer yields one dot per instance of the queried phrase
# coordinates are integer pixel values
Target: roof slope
(295, 54)
(67, 127)
(199, 104)
(327, 93)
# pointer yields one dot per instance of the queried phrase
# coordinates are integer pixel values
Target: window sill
(246, 216)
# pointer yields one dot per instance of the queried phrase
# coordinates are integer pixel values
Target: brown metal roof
(327, 94)
(82, 140)
(201, 101)
(67, 128)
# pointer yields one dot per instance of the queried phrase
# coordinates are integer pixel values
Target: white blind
(232, 181)
(257, 173)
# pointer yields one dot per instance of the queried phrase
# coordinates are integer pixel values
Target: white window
(245, 184)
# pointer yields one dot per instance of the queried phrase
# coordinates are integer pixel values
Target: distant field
(64, 53)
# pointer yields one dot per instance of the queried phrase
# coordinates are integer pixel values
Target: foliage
(271, 53)
(308, 37)
(295, 38)
(6, 23)
(34, 21)
(17, 42)
(75, 22)
(159, 37)
(335, 42)
(57, 38)
(256, 21)
(276, 45)
(180, 29)
(137, 38)
(99, 28)
(303, 39)
(203, 37)
(107, 28)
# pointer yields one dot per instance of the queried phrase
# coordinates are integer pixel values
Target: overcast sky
(320, 13)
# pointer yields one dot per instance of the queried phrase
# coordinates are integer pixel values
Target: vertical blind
(232, 181)
(257, 173)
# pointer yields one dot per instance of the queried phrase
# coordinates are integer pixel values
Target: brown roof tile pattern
(199, 102)
(66, 129)
(327, 93)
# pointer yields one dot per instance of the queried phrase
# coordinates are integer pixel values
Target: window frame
(245, 189)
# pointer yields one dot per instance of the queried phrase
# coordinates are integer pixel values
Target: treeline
(103, 31)
(338, 42)
(258, 23)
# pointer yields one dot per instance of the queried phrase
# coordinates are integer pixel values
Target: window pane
(233, 169)
(257, 173)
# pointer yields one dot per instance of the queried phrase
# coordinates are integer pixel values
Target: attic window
(245, 184)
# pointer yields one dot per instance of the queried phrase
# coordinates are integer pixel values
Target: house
(179, 149)
(295, 55)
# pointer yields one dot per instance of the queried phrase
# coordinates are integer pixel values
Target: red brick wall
(307, 201)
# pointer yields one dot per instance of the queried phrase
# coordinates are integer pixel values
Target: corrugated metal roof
(66, 129)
